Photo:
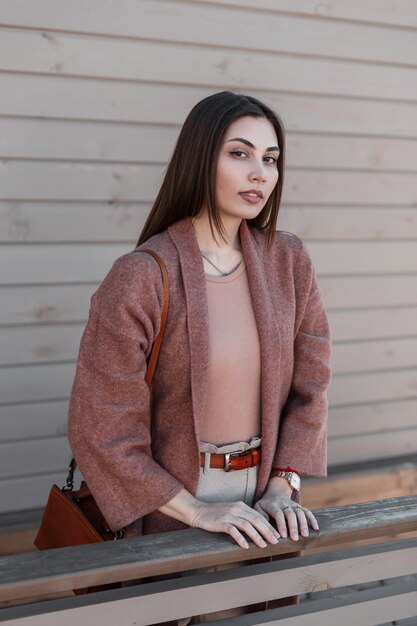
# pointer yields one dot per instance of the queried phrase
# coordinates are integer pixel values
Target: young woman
(237, 409)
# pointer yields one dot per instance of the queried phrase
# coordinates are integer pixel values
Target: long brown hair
(190, 178)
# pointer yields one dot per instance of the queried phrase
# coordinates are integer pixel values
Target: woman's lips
(252, 198)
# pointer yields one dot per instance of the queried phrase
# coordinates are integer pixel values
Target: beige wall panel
(348, 222)
(28, 383)
(358, 257)
(215, 26)
(369, 418)
(78, 181)
(49, 419)
(55, 263)
(39, 344)
(362, 356)
(28, 492)
(101, 141)
(375, 446)
(48, 344)
(373, 387)
(329, 187)
(25, 221)
(70, 303)
(38, 419)
(171, 63)
(45, 304)
(75, 221)
(36, 456)
(382, 12)
(34, 180)
(76, 98)
(369, 324)
(112, 141)
(369, 291)
(34, 383)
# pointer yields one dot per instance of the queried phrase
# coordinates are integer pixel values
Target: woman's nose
(258, 173)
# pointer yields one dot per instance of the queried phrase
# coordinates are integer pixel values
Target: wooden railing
(25, 579)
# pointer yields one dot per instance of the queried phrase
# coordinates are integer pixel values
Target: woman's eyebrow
(250, 144)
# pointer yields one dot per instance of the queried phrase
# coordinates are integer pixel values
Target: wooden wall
(93, 93)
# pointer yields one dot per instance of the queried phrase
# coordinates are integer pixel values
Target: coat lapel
(259, 267)
(183, 236)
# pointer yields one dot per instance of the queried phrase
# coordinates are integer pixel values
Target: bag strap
(153, 357)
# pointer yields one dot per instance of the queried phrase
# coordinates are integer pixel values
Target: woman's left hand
(290, 517)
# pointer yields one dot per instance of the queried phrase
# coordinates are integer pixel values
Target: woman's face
(246, 171)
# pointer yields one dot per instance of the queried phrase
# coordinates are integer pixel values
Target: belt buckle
(227, 463)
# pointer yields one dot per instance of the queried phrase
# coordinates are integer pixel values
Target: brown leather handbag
(72, 517)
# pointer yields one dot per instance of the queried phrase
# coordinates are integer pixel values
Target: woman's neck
(224, 254)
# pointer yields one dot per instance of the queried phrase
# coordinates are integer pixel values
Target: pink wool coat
(135, 459)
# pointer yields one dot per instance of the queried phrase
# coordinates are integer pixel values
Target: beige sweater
(137, 449)
(233, 405)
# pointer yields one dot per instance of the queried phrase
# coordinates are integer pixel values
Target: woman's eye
(271, 160)
(239, 153)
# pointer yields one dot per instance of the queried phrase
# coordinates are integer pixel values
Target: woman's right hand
(232, 518)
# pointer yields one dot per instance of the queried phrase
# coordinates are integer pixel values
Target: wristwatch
(292, 477)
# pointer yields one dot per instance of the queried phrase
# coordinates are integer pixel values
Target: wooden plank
(48, 180)
(353, 487)
(369, 291)
(372, 446)
(373, 387)
(187, 549)
(28, 492)
(138, 60)
(375, 417)
(222, 590)
(34, 456)
(386, 12)
(31, 383)
(345, 223)
(42, 304)
(36, 419)
(329, 258)
(75, 98)
(55, 263)
(369, 355)
(112, 141)
(370, 324)
(328, 187)
(134, 143)
(93, 181)
(53, 221)
(40, 382)
(185, 22)
(204, 593)
(39, 344)
(48, 344)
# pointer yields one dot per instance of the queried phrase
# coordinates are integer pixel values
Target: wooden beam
(217, 591)
(25, 575)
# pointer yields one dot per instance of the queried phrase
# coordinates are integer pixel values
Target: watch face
(295, 481)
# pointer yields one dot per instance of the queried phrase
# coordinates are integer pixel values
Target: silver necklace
(219, 270)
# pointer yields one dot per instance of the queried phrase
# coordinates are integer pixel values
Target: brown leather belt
(233, 460)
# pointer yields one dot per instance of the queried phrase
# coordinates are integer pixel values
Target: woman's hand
(221, 517)
(290, 517)
(233, 517)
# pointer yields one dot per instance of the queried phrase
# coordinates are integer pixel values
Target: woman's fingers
(311, 519)
(233, 518)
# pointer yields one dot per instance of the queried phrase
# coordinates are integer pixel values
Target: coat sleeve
(109, 416)
(302, 438)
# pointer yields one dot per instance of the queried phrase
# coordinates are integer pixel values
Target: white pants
(216, 485)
